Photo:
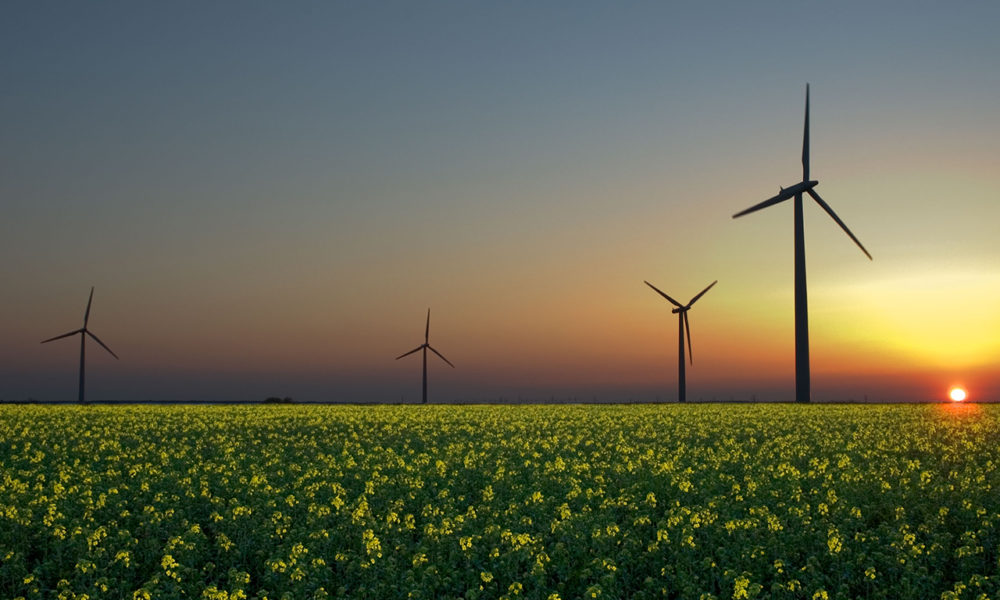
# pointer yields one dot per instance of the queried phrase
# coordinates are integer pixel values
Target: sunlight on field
(542, 502)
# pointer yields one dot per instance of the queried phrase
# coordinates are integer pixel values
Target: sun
(957, 394)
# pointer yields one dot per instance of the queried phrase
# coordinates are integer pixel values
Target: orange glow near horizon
(880, 314)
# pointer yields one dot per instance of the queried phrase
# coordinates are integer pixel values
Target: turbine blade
(59, 337)
(427, 330)
(672, 301)
(86, 315)
(805, 141)
(98, 340)
(417, 349)
(781, 197)
(834, 216)
(440, 355)
(702, 293)
(687, 329)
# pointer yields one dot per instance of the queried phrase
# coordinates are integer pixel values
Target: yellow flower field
(540, 502)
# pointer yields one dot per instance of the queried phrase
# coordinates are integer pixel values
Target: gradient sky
(269, 196)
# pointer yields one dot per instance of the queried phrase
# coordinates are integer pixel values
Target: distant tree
(28, 400)
(277, 400)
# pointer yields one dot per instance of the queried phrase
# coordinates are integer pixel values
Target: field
(541, 502)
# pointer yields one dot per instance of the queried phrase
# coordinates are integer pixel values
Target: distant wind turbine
(84, 332)
(425, 347)
(801, 304)
(681, 311)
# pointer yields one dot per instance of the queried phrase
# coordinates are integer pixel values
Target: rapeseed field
(476, 502)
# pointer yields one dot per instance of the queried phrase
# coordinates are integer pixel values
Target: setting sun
(957, 394)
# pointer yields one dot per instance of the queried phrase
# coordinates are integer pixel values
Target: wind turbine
(84, 332)
(425, 347)
(806, 186)
(681, 311)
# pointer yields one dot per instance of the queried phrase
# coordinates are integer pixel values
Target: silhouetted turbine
(681, 311)
(84, 332)
(801, 303)
(425, 347)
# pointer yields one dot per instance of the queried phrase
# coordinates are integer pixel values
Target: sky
(268, 197)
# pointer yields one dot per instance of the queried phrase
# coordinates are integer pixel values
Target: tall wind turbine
(806, 186)
(84, 332)
(681, 311)
(425, 347)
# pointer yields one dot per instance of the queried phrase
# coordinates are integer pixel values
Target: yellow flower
(740, 586)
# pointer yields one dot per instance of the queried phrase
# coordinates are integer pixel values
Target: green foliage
(477, 502)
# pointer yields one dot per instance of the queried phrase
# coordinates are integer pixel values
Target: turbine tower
(806, 186)
(681, 310)
(84, 332)
(425, 347)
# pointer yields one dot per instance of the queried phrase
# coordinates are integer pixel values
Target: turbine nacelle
(784, 194)
(798, 188)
